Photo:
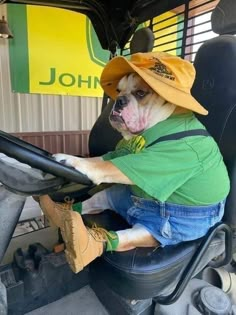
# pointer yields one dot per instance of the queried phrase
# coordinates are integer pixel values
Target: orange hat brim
(120, 66)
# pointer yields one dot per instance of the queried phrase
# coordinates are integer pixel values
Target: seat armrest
(190, 269)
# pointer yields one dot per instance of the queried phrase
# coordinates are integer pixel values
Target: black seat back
(214, 88)
(103, 138)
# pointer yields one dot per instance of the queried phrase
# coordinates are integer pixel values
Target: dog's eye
(140, 93)
(118, 91)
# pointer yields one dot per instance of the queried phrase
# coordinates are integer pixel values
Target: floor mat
(82, 302)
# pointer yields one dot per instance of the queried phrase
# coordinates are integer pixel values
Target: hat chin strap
(163, 112)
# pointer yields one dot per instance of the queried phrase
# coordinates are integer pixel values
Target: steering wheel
(37, 158)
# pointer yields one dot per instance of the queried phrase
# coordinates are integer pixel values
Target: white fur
(137, 236)
(96, 203)
(139, 116)
(82, 165)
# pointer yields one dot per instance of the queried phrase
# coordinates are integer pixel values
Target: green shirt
(187, 171)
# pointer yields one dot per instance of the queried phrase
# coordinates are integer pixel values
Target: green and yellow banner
(54, 51)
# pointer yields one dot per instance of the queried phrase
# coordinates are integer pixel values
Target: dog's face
(136, 108)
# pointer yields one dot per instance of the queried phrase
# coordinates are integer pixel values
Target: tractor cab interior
(155, 279)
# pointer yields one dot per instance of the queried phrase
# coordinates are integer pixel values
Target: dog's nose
(121, 102)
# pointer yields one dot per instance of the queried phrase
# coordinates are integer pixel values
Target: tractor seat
(143, 273)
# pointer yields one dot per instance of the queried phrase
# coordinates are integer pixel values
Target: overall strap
(180, 135)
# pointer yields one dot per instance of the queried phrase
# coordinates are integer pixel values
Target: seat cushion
(145, 272)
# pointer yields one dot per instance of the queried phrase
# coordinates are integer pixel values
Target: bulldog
(147, 107)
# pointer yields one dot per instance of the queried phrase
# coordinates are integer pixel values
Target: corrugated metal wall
(70, 142)
(34, 112)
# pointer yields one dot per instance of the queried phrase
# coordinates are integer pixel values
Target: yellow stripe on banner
(59, 61)
(166, 32)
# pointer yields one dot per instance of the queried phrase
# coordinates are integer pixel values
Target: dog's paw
(66, 159)
(60, 157)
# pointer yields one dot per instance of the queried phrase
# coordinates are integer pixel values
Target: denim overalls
(168, 223)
